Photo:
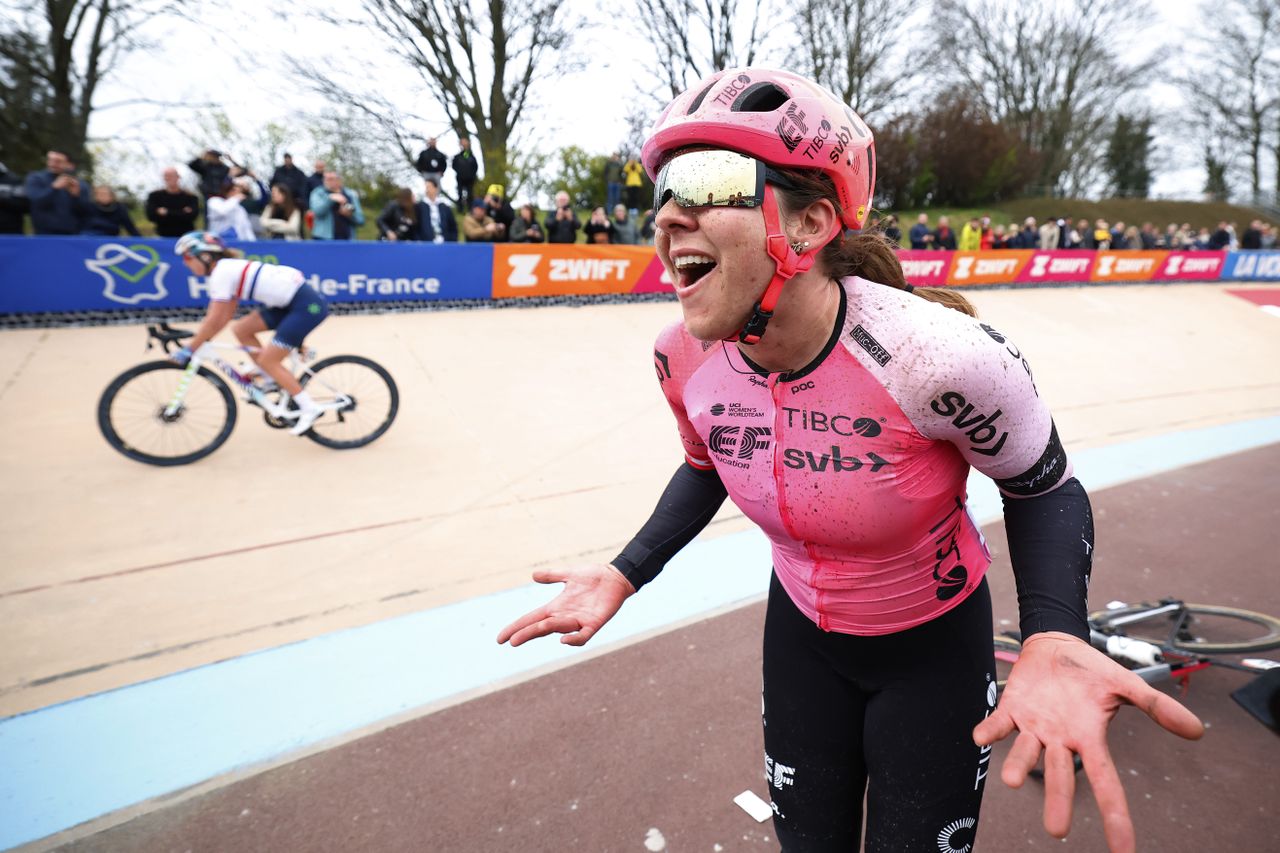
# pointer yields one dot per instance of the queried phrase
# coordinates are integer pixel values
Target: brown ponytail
(866, 254)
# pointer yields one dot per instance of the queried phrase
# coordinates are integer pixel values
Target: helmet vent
(760, 98)
(697, 102)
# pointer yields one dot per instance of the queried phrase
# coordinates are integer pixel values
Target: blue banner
(1253, 266)
(40, 274)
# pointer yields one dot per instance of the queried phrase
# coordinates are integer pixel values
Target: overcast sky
(246, 74)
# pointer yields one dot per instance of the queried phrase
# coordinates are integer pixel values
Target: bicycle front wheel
(363, 397)
(1203, 628)
(134, 416)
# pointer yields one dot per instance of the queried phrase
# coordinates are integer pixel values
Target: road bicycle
(163, 414)
(1170, 640)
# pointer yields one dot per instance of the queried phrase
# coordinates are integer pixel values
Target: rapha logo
(738, 442)
(522, 270)
(131, 273)
(792, 129)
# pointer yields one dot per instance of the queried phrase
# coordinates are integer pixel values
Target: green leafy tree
(53, 57)
(581, 175)
(1128, 157)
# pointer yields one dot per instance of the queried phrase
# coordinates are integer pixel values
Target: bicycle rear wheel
(365, 396)
(1204, 628)
(1007, 651)
(131, 414)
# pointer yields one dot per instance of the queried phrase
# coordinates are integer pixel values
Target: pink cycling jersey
(855, 466)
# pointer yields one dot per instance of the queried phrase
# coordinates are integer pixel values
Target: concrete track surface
(537, 437)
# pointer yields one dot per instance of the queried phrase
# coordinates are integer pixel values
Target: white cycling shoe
(306, 418)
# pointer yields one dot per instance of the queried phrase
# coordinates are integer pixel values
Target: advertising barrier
(96, 273)
(1000, 267)
(1058, 265)
(1192, 266)
(68, 274)
(548, 269)
(924, 268)
(1127, 266)
(1252, 266)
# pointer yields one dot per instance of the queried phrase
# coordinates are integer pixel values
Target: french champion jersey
(272, 285)
(855, 466)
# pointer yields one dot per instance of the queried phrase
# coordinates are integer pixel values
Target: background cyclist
(842, 412)
(288, 305)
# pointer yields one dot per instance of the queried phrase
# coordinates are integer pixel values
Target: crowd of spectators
(294, 205)
(979, 233)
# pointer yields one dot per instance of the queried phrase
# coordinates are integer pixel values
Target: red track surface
(663, 734)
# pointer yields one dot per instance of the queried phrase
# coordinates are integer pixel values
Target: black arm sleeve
(1051, 548)
(687, 506)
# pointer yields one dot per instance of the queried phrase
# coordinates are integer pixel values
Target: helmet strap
(788, 264)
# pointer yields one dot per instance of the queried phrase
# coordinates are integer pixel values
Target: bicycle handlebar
(167, 335)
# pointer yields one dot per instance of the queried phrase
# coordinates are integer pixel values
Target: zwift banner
(52, 274)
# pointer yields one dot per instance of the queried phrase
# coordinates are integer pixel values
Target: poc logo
(981, 429)
(803, 386)
(738, 442)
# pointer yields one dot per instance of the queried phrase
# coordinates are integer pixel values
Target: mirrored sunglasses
(713, 178)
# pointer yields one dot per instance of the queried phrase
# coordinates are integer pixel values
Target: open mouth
(691, 268)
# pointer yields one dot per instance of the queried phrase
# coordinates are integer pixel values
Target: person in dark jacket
(215, 176)
(525, 228)
(944, 238)
(562, 226)
(59, 200)
(435, 218)
(294, 179)
(466, 169)
(431, 162)
(13, 202)
(171, 208)
(1220, 240)
(107, 216)
(501, 210)
(398, 221)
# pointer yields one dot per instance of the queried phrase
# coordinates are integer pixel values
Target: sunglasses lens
(710, 178)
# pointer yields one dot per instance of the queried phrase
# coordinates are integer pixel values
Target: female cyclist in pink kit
(841, 410)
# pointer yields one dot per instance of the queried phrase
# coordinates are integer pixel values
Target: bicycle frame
(208, 354)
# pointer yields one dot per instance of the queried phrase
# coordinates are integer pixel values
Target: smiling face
(715, 257)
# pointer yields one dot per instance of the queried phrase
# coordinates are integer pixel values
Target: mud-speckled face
(716, 259)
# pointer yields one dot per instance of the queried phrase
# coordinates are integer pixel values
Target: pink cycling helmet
(777, 117)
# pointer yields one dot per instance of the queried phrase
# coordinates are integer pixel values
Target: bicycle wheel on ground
(132, 414)
(1007, 651)
(1204, 628)
(364, 395)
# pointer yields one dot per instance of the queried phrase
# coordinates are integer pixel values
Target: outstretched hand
(591, 595)
(1061, 695)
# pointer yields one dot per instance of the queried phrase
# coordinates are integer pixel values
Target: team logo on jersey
(738, 442)
(986, 437)
(662, 364)
(814, 420)
(131, 274)
(735, 410)
(863, 339)
(957, 836)
(1013, 350)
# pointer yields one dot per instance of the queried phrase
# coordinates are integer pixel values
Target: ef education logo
(131, 274)
(738, 442)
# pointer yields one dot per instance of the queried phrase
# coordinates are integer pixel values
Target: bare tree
(692, 38)
(1237, 80)
(848, 46)
(53, 56)
(1048, 69)
(480, 61)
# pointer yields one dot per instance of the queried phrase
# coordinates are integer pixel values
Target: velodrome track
(526, 438)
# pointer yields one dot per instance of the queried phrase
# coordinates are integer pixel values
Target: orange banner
(995, 267)
(1127, 266)
(546, 269)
